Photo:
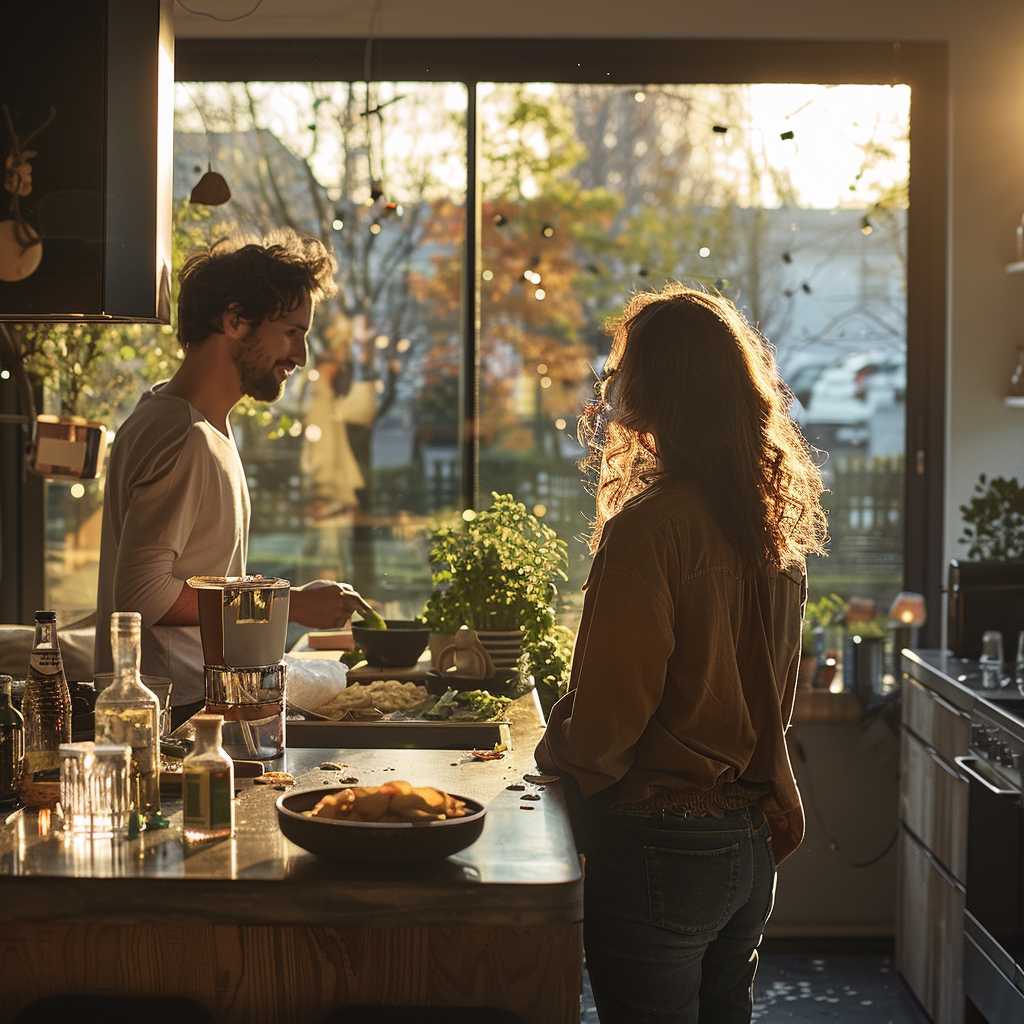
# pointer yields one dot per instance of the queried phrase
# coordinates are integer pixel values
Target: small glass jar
(208, 783)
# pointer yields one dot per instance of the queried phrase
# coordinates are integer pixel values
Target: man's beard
(258, 381)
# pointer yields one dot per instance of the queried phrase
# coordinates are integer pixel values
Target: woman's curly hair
(691, 390)
(264, 277)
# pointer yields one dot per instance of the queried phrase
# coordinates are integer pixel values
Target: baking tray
(399, 735)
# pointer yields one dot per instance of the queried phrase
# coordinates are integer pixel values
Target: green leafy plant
(994, 520)
(828, 610)
(495, 570)
(549, 659)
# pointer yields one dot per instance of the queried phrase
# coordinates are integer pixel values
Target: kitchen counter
(259, 930)
(960, 682)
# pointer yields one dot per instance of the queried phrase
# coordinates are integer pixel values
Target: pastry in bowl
(392, 802)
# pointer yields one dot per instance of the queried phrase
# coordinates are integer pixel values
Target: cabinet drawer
(933, 803)
(942, 726)
(929, 933)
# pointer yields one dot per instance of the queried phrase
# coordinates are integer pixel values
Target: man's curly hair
(264, 278)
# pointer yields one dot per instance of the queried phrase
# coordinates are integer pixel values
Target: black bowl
(372, 841)
(504, 682)
(398, 646)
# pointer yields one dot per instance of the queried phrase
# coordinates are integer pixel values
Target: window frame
(921, 65)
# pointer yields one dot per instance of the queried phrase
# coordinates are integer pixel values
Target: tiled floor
(855, 988)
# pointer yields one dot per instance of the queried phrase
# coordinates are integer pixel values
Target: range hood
(86, 157)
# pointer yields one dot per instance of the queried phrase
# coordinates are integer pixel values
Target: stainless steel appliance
(994, 914)
(243, 621)
(983, 596)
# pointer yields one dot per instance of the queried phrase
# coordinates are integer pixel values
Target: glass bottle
(208, 783)
(128, 712)
(46, 705)
(12, 742)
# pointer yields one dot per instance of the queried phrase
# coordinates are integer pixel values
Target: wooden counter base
(294, 975)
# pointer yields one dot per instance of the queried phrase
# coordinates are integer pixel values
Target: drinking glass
(991, 659)
(1018, 665)
(95, 795)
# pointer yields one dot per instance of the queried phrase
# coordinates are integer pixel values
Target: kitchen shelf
(1017, 401)
(1015, 268)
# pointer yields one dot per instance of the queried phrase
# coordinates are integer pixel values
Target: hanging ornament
(211, 189)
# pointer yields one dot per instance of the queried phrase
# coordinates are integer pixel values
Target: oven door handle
(966, 762)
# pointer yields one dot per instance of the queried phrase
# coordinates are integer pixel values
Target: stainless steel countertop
(961, 682)
(523, 869)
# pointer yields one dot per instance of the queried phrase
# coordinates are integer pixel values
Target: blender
(243, 622)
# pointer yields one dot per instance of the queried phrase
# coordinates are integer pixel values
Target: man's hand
(324, 604)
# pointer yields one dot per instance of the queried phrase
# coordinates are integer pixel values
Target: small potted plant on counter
(495, 571)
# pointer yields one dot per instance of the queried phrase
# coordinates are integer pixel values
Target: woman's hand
(324, 604)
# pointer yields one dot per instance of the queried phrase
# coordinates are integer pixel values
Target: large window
(429, 383)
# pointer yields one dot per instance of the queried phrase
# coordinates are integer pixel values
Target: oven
(994, 905)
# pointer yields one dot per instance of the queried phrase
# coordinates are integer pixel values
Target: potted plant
(994, 520)
(495, 571)
(822, 639)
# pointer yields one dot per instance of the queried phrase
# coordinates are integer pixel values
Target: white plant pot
(504, 646)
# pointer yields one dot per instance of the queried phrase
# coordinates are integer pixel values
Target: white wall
(986, 40)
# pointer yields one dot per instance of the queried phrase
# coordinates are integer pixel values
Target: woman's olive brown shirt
(684, 671)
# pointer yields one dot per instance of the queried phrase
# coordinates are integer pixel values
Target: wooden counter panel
(294, 975)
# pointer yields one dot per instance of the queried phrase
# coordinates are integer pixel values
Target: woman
(685, 664)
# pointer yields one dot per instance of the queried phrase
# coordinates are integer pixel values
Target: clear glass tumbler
(95, 795)
(991, 659)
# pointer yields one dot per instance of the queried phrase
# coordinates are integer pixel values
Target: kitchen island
(259, 931)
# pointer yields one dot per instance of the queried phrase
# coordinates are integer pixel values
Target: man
(176, 502)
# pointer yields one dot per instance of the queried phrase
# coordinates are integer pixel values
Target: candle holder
(906, 614)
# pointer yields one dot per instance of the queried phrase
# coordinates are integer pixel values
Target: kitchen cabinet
(960, 914)
(932, 851)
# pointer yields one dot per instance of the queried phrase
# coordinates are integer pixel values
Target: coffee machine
(243, 622)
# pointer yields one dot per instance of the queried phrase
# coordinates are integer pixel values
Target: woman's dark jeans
(674, 909)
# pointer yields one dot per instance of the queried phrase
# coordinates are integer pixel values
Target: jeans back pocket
(692, 891)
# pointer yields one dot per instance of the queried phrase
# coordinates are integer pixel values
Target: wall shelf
(1015, 268)
(1017, 401)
